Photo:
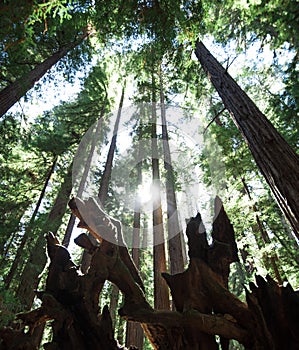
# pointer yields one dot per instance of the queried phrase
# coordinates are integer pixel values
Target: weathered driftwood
(69, 300)
(93, 218)
(204, 306)
(203, 286)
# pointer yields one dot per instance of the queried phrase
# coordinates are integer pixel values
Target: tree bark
(173, 225)
(161, 296)
(37, 260)
(134, 332)
(276, 160)
(102, 195)
(205, 307)
(198, 291)
(12, 93)
(105, 179)
(28, 230)
(72, 219)
(69, 231)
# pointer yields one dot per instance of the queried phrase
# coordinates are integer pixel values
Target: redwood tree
(134, 332)
(161, 297)
(29, 228)
(37, 260)
(13, 92)
(95, 138)
(277, 161)
(173, 225)
(105, 178)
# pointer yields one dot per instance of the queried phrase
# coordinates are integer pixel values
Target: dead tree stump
(204, 306)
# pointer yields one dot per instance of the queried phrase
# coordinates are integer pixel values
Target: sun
(144, 193)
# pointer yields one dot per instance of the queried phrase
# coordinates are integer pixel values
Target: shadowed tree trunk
(161, 296)
(173, 225)
(269, 320)
(102, 195)
(28, 230)
(134, 332)
(277, 161)
(12, 93)
(105, 179)
(69, 230)
(113, 303)
(37, 260)
(72, 219)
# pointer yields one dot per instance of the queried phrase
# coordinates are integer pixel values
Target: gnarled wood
(204, 305)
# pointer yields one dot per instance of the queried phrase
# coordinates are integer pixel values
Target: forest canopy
(149, 174)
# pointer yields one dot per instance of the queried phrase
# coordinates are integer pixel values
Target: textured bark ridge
(277, 161)
(204, 306)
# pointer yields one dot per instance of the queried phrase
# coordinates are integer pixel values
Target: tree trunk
(205, 308)
(134, 332)
(28, 230)
(173, 224)
(105, 179)
(37, 260)
(12, 93)
(277, 161)
(103, 191)
(69, 230)
(161, 296)
(71, 223)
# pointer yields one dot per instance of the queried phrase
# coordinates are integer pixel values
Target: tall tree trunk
(12, 93)
(173, 224)
(72, 219)
(37, 260)
(277, 161)
(145, 233)
(102, 194)
(105, 179)
(134, 332)
(103, 191)
(161, 296)
(69, 230)
(28, 230)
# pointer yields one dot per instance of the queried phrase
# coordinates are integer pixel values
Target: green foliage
(56, 8)
(22, 177)
(137, 39)
(28, 154)
(268, 21)
(9, 306)
(240, 169)
(34, 31)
